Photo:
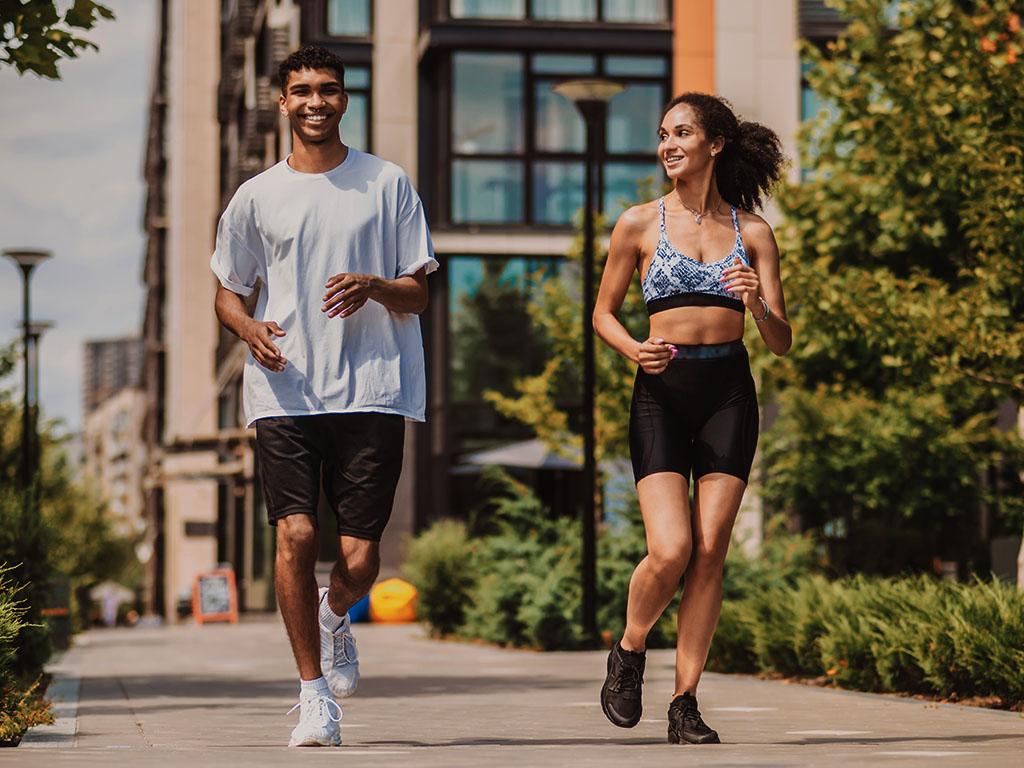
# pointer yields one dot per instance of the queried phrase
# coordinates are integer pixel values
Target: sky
(71, 156)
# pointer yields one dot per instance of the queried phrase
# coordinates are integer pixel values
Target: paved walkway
(217, 695)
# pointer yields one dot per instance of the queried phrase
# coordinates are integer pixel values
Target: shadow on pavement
(495, 741)
(883, 740)
(113, 688)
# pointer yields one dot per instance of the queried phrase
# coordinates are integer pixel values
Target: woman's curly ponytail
(751, 161)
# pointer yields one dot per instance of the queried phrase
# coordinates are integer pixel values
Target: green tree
(69, 533)
(905, 268)
(35, 35)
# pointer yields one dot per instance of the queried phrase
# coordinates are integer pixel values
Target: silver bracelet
(767, 311)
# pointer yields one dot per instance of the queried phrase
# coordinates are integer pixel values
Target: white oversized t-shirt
(295, 230)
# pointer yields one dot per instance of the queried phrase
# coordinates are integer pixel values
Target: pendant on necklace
(698, 217)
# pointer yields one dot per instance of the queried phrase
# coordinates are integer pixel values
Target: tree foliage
(905, 267)
(69, 532)
(35, 35)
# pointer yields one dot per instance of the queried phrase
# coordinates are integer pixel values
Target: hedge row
(910, 635)
(517, 584)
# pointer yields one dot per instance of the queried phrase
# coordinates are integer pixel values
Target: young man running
(338, 243)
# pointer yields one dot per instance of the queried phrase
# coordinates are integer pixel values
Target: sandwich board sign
(214, 596)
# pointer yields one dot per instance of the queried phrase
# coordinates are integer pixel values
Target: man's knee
(296, 537)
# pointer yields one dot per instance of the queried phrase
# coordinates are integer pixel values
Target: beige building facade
(114, 458)
(183, 173)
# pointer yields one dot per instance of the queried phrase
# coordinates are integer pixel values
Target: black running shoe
(685, 725)
(622, 693)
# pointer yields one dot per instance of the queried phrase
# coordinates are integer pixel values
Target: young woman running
(704, 258)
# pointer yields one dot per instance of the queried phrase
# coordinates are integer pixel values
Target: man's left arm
(348, 291)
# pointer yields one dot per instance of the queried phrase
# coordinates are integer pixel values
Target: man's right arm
(231, 312)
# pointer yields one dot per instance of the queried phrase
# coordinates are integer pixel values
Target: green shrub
(985, 626)
(25, 542)
(20, 705)
(913, 635)
(439, 564)
(528, 592)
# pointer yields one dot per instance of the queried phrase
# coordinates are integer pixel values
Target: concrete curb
(63, 694)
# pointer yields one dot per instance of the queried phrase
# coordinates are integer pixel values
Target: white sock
(316, 687)
(329, 618)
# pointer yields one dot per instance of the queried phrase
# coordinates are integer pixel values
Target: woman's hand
(741, 281)
(654, 355)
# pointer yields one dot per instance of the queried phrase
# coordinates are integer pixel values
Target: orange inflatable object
(393, 602)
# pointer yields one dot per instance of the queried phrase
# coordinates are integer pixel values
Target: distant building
(114, 457)
(112, 454)
(110, 366)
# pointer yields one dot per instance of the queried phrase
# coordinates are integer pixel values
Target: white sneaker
(339, 657)
(319, 722)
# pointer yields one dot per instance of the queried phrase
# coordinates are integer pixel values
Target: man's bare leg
(295, 582)
(354, 573)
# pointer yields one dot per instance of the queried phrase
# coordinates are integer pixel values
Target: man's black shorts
(358, 456)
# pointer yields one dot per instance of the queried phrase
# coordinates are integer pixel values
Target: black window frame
(445, 12)
(530, 155)
(366, 91)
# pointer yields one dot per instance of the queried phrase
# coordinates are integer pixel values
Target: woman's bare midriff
(697, 325)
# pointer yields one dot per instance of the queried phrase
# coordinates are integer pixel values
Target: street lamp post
(26, 259)
(591, 97)
(35, 333)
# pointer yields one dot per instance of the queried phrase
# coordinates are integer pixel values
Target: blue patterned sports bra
(675, 280)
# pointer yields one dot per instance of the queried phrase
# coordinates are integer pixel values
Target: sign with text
(214, 597)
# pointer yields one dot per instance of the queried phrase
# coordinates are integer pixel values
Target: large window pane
(357, 77)
(626, 66)
(557, 192)
(633, 118)
(487, 191)
(563, 64)
(353, 124)
(624, 184)
(636, 11)
(559, 125)
(492, 341)
(348, 18)
(488, 9)
(565, 10)
(488, 103)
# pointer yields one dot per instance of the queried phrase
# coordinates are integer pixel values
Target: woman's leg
(716, 502)
(665, 507)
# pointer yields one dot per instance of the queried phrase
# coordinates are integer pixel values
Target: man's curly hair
(311, 57)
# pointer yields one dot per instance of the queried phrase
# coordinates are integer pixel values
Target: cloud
(71, 157)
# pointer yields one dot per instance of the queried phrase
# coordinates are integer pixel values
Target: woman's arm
(765, 282)
(624, 252)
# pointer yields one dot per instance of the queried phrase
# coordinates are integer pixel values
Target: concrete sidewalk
(217, 695)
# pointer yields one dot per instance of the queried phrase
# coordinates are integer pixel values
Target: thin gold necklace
(699, 215)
